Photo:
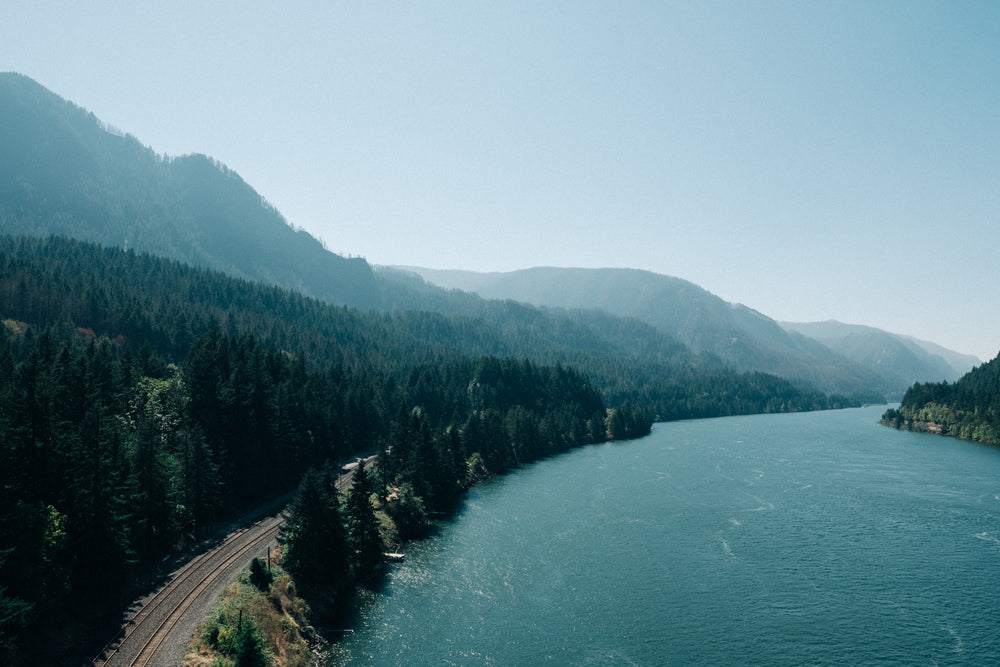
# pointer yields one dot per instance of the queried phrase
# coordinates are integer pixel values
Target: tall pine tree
(315, 546)
(362, 526)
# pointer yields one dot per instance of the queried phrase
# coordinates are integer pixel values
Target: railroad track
(140, 641)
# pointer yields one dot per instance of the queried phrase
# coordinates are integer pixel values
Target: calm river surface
(818, 538)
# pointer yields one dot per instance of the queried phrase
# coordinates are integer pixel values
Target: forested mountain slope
(737, 335)
(968, 408)
(64, 172)
(142, 399)
(144, 299)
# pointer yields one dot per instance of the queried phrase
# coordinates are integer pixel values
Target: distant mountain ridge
(64, 172)
(906, 356)
(738, 335)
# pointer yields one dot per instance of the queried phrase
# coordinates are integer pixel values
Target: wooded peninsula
(968, 408)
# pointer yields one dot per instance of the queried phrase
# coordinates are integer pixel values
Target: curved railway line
(140, 641)
(153, 634)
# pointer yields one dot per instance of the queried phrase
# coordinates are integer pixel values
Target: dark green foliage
(15, 613)
(238, 639)
(968, 408)
(408, 512)
(247, 646)
(628, 421)
(105, 471)
(260, 576)
(362, 527)
(313, 537)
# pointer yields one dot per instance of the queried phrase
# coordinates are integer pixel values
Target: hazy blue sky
(812, 160)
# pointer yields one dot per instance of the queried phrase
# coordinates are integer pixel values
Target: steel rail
(160, 599)
(162, 631)
(156, 602)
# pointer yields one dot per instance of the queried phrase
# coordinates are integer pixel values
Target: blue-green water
(818, 538)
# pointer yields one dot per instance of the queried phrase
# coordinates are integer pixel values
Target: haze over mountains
(735, 333)
(66, 173)
(904, 355)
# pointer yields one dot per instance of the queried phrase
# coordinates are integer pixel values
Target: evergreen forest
(142, 399)
(968, 408)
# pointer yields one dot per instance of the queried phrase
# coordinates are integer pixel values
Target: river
(818, 538)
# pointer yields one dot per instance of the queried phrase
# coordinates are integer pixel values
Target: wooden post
(239, 624)
(269, 558)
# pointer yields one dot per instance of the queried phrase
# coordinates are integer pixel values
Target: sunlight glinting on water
(777, 539)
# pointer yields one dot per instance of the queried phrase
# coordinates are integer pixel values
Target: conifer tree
(315, 548)
(362, 527)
